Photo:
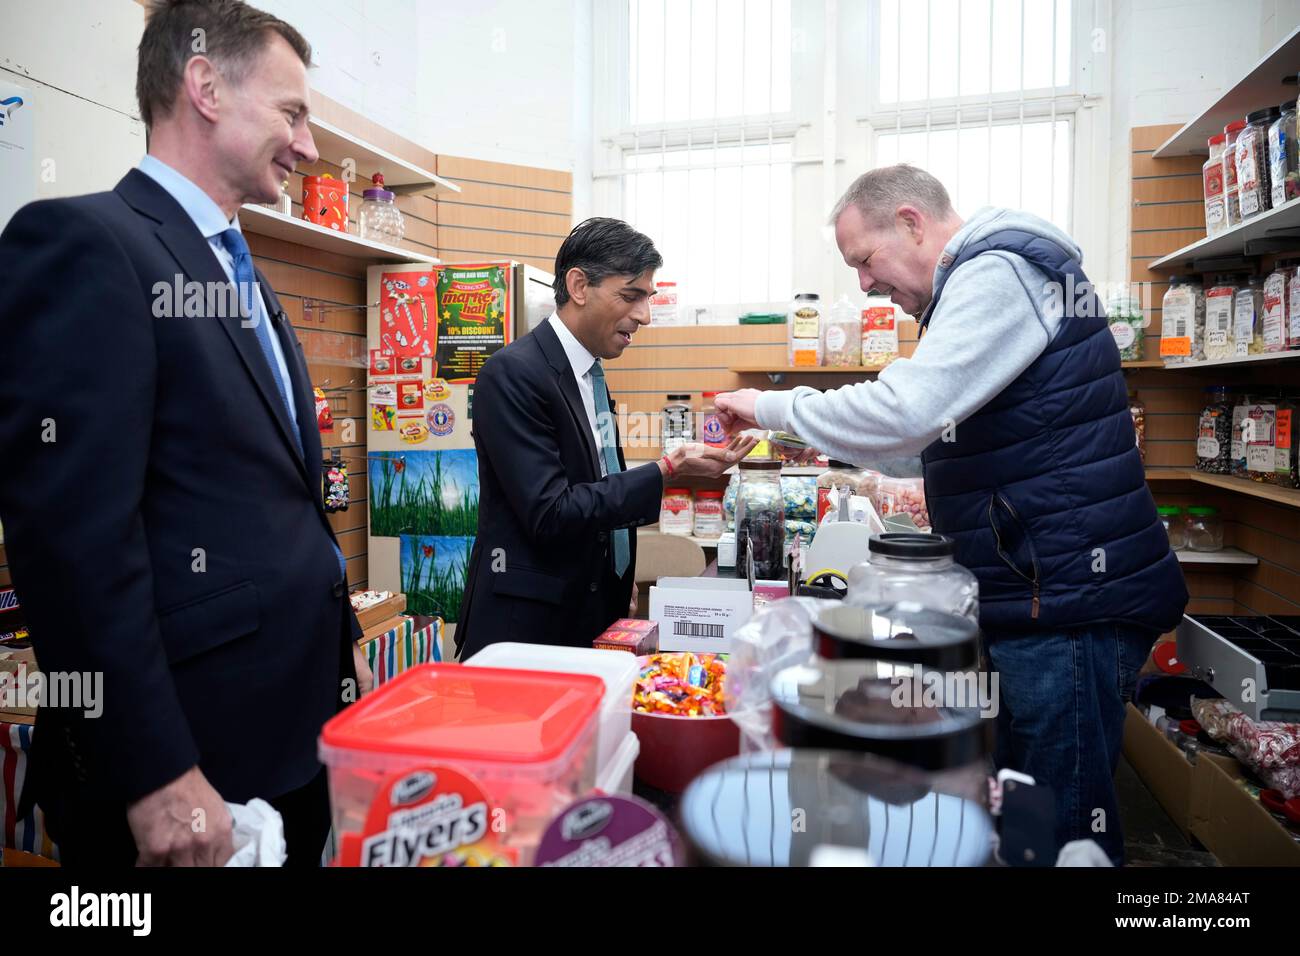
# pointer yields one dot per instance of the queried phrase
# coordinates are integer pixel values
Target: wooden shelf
(1166, 474)
(1266, 357)
(336, 145)
(1244, 486)
(805, 369)
(1261, 87)
(1235, 242)
(1144, 363)
(1223, 556)
(265, 222)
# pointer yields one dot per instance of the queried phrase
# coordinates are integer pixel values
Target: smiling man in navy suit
(161, 493)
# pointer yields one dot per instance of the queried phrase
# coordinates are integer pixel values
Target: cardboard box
(699, 614)
(1232, 823)
(1163, 768)
(628, 634)
(383, 611)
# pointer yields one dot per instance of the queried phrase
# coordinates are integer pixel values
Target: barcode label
(691, 629)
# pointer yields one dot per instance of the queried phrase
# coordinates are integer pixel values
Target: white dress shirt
(581, 361)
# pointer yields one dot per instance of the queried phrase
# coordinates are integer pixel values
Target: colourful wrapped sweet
(800, 494)
(681, 685)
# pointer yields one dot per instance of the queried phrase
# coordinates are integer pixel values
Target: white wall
(498, 80)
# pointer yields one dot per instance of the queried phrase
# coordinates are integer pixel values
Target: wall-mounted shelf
(336, 145)
(1254, 489)
(265, 222)
(1261, 87)
(1222, 556)
(1166, 474)
(1247, 239)
(777, 373)
(1264, 357)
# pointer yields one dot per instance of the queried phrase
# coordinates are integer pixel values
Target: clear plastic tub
(1175, 526)
(616, 776)
(1183, 324)
(617, 670)
(1204, 529)
(1248, 317)
(1220, 341)
(903, 496)
(528, 738)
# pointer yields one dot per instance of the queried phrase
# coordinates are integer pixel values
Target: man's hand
(697, 460)
(736, 409)
(636, 593)
(170, 830)
(365, 677)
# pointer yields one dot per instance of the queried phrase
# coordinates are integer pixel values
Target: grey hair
(880, 192)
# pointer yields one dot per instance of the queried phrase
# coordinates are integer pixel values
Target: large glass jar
(676, 423)
(1259, 435)
(914, 567)
(1285, 462)
(848, 809)
(840, 475)
(1290, 269)
(1204, 529)
(1175, 526)
(1214, 432)
(760, 520)
(1247, 317)
(1232, 201)
(1126, 325)
(1220, 342)
(380, 220)
(894, 682)
(804, 330)
(1273, 323)
(711, 430)
(1283, 161)
(842, 335)
(1253, 188)
(1216, 213)
(1240, 411)
(1182, 335)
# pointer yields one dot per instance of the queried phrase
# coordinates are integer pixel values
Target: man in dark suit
(558, 509)
(161, 492)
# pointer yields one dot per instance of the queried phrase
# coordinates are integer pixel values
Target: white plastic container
(617, 776)
(663, 305)
(617, 669)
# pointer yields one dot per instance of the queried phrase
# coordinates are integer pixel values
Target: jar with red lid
(676, 514)
(711, 430)
(1232, 202)
(708, 514)
(1216, 218)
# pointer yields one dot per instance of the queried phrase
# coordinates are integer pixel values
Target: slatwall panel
(1166, 214)
(695, 359)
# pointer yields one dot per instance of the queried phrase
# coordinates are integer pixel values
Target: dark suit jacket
(541, 570)
(171, 537)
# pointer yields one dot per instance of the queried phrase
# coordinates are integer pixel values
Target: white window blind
(982, 94)
(706, 146)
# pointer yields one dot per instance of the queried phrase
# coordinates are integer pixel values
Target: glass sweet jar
(380, 219)
(914, 567)
(760, 520)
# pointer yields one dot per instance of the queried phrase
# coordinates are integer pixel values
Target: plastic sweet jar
(914, 567)
(676, 422)
(711, 430)
(1175, 526)
(1184, 324)
(840, 474)
(380, 220)
(760, 520)
(1254, 191)
(853, 810)
(1204, 529)
(1214, 432)
(897, 682)
(708, 514)
(1232, 201)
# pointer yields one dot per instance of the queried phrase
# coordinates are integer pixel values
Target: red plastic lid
(1216, 140)
(1166, 658)
(1236, 126)
(708, 494)
(707, 394)
(682, 492)
(478, 714)
(1189, 727)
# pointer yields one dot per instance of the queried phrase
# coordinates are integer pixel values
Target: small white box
(727, 550)
(699, 614)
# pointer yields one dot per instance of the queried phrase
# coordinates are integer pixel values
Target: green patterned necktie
(609, 453)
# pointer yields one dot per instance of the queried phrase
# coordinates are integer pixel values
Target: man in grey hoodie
(1015, 402)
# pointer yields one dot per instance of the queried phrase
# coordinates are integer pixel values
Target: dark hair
(232, 35)
(602, 248)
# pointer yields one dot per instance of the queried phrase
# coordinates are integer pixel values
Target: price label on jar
(1259, 457)
(1182, 345)
(1123, 333)
(1207, 448)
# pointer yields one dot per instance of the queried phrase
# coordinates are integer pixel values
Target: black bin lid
(897, 633)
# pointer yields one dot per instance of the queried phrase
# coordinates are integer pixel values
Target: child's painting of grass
(424, 493)
(434, 568)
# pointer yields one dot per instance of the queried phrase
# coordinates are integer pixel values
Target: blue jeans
(1061, 719)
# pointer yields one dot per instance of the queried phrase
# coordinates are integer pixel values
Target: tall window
(706, 147)
(982, 94)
